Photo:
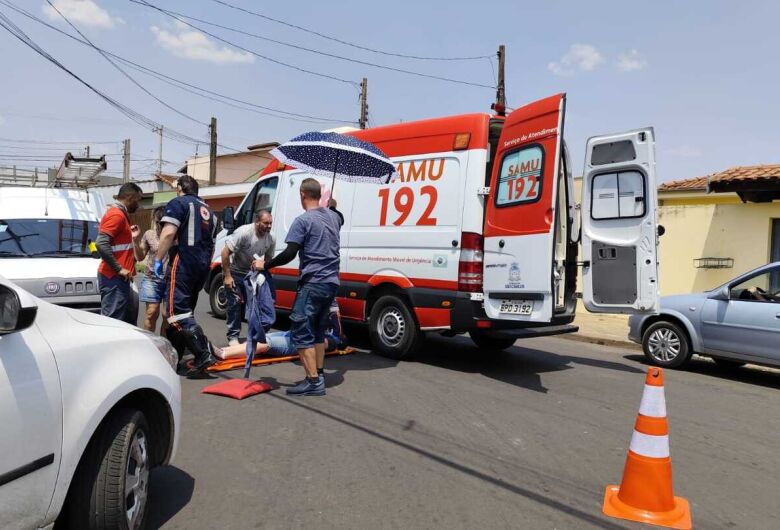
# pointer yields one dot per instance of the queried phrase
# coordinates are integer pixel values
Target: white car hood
(92, 319)
(33, 268)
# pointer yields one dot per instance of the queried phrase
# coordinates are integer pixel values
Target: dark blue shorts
(309, 317)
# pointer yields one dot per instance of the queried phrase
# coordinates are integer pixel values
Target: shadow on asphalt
(170, 490)
(750, 374)
(517, 366)
(439, 455)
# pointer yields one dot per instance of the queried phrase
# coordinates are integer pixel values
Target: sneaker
(233, 342)
(307, 387)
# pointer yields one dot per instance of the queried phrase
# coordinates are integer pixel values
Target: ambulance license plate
(516, 307)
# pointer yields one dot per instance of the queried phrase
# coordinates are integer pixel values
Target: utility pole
(87, 152)
(363, 103)
(159, 158)
(500, 105)
(126, 160)
(213, 153)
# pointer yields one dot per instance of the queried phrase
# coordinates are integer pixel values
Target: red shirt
(116, 225)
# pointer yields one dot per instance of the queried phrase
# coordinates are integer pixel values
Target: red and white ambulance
(479, 232)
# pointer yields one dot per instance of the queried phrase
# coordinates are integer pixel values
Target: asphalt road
(459, 438)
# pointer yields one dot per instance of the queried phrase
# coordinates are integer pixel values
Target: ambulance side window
(260, 198)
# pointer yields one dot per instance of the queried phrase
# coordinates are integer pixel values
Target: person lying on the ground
(278, 344)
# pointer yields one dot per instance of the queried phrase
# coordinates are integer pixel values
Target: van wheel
(484, 341)
(393, 329)
(111, 485)
(666, 345)
(218, 297)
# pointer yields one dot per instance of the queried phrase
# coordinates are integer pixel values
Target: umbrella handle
(335, 168)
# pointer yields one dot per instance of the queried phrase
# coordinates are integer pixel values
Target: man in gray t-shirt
(243, 247)
(314, 237)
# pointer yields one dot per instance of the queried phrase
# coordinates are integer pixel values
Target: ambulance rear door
(619, 224)
(519, 234)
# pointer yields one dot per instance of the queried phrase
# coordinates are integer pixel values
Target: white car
(88, 405)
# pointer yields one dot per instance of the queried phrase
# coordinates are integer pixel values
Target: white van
(44, 243)
(479, 232)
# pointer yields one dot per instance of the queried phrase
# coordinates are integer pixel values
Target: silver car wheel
(664, 345)
(391, 327)
(137, 480)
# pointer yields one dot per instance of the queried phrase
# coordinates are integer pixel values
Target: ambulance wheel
(218, 297)
(393, 329)
(488, 342)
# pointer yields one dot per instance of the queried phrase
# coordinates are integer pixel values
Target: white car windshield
(32, 238)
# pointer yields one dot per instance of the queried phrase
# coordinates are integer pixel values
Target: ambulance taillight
(470, 265)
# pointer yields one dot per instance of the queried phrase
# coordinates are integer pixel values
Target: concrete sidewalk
(601, 328)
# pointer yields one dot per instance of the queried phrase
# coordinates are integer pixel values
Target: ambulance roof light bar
(79, 172)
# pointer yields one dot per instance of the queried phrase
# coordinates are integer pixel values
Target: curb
(578, 337)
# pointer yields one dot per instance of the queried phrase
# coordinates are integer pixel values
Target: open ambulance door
(519, 230)
(619, 224)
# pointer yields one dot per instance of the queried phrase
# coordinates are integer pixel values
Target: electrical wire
(128, 76)
(184, 20)
(7, 24)
(256, 54)
(178, 83)
(346, 43)
(65, 142)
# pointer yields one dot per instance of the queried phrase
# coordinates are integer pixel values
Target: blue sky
(702, 73)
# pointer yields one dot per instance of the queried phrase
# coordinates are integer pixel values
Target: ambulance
(479, 231)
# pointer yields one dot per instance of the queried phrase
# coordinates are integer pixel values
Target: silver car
(736, 323)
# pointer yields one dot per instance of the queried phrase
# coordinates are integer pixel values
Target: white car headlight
(165, 347)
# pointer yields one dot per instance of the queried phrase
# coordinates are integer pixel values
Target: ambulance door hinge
(583, 263)
(484, 191)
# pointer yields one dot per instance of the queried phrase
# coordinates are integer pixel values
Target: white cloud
(580, 57)
(631, 61)
(685, 151)
(190, 44)
(81, 12)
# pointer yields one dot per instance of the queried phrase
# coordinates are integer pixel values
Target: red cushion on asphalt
(237, 388)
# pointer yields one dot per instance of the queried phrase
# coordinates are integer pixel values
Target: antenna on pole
(363, 103)
(500, 105)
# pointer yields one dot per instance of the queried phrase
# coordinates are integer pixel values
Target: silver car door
(748, 323)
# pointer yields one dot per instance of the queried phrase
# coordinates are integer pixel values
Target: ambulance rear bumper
(468, 315)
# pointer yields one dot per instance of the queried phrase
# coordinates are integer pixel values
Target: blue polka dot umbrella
(339, 156)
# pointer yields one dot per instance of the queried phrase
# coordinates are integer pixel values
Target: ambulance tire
(393, 330)
(217, 299)
(491, 343)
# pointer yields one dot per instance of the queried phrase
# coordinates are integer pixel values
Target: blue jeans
(117, 299)
(309, 317)
(235, 307)
(153, 290)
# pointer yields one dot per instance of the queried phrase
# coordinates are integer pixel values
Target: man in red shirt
(117, 242)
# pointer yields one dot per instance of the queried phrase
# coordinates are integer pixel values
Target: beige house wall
(231, 169)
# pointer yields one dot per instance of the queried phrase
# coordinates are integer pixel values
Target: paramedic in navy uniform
(314, 235)
(189, 221)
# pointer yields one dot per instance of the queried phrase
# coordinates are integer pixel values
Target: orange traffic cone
(646, 494)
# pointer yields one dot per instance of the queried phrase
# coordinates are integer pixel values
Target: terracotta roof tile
(694, 184)
(760, 172)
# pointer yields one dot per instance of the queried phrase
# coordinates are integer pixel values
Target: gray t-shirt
(244, 244)
(317, 232)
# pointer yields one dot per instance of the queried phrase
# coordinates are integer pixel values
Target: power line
(256, 54)
(177, 82)
(128, 76)
(346, 43)
(7, 24)
(65, 142)
(180, 16)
